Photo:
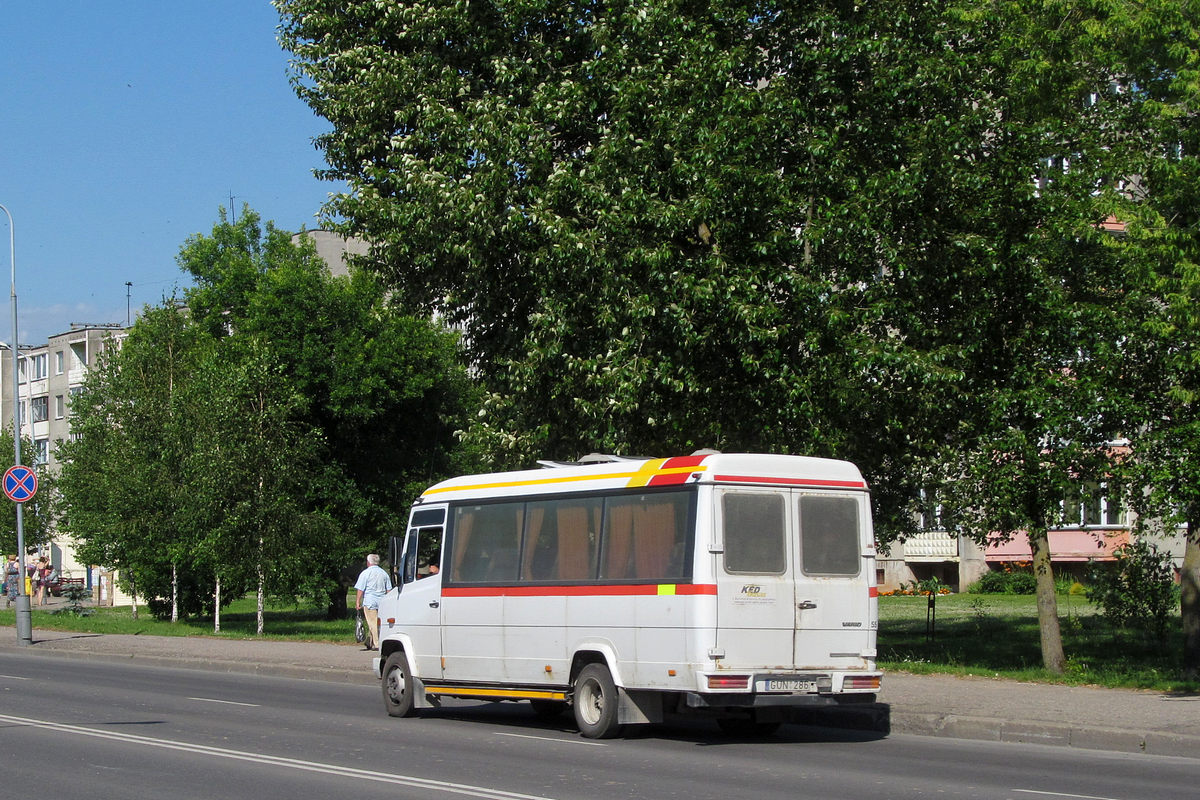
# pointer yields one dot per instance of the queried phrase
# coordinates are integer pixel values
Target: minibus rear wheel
(398, 686)
(595, 703)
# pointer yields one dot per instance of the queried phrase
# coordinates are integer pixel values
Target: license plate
(785, 685)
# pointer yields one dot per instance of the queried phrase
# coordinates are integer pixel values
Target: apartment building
(49, 376)
(1091, 527)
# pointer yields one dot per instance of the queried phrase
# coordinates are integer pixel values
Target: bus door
(420, 600)
(833, 606)
(756, 600)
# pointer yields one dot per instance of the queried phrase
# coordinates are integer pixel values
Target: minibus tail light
(729, 681)
(861, 682)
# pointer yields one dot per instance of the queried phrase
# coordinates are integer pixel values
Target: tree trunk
(174, 592)
(132, 597)
(1189, 607)
(1053, 658)
(262, 585)
(217, 606)
(337, 608)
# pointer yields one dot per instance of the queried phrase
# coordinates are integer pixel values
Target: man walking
(372, 584)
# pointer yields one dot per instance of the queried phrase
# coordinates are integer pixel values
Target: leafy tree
(660, 225)
(254, 465)
(265, 437)
(790, 227)
(123, 483)
(1157, 46)
(378, 389)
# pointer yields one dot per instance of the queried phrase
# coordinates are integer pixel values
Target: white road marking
(290, 763)
(551, 739)
(1063, 794)
(223, 702)
(14, 677)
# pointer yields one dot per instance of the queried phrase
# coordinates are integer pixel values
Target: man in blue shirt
(372, 584)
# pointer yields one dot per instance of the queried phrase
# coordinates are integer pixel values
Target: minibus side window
(561, 537)
(754, 533)
(429, 552)
(486, 542)
(424, 544)
(829, 535)
(646, 537)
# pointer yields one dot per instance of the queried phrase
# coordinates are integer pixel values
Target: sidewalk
(931, 705)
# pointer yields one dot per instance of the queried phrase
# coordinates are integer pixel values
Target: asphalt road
(96, 729)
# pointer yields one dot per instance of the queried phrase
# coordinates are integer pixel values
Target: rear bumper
(697, 700)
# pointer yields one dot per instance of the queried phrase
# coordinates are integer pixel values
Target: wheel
(398, 686)
(595, 701)
(548, 710)
(747, 726)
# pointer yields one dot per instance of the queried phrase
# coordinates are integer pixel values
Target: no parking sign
(20, 483)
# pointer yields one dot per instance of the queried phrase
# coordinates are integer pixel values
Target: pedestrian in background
(40, 574)
(12, 578)
(48, 575)
(372, 584)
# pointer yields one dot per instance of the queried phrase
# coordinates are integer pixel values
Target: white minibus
(735, 585)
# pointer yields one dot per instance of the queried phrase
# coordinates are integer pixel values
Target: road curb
(1003, 730)
(281, 669)
(881, 718)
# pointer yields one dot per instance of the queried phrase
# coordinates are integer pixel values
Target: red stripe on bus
(577, 591)
(874, 592)
(790, 481)
(684, 461)
(669, 480)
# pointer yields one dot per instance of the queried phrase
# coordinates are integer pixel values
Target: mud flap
(639, 707)
(422, 700)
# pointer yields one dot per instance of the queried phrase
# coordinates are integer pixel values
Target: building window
(58, 362)
(40, 408)
(1093, 505)
(80, 353)
(38, 364)
(929, 515)
(41, 451)
(60, 407)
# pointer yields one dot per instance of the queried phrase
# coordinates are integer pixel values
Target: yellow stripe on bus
(640, 477)
(538, 482)
(516, 694)
(644, 475)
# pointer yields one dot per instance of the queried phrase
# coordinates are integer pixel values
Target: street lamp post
(24, 618)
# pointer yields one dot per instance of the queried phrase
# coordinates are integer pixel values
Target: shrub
(1005, 582)
(75, 596)
(1137, 590)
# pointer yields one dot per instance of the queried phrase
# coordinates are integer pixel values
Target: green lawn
(997, 635)
(991, 635)
(238, 621)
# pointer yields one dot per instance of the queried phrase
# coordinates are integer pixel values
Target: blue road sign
(20, 483)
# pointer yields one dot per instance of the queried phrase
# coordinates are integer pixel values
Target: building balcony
(1080, 544)
(931, 546)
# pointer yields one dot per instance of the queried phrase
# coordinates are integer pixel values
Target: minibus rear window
(829, 535)
(754, 533)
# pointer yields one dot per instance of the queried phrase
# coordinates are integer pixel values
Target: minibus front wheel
(596, 703)
(398, 686)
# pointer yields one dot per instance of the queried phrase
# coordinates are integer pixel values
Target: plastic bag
(360, 629)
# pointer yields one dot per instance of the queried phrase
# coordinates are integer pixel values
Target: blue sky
(124, 126)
